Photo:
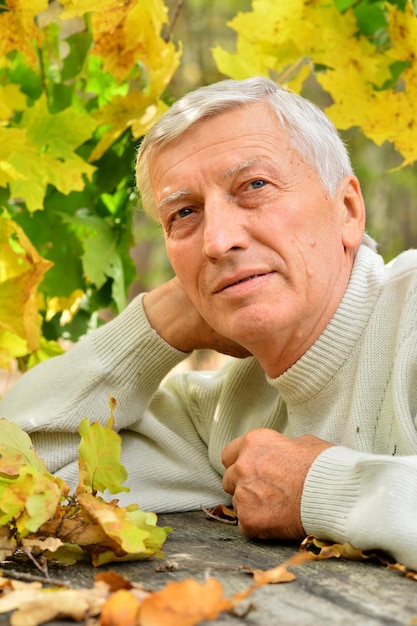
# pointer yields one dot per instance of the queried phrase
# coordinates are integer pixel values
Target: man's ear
(353, 211)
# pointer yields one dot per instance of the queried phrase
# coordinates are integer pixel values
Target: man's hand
(265, 474)
(172, 314)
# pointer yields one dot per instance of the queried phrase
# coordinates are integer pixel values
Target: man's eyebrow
(239, 167)
(174, 197)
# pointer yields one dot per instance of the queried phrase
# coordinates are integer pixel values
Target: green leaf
(99, 463)
(101, 258)
(370, 17)
(57, 134)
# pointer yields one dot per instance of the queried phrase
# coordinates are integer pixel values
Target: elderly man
(312, 428)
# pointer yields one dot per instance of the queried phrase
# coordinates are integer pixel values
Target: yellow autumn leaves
(40, 138)
(302, 36)
(21, 269)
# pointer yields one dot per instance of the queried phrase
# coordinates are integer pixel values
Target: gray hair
(312, 134)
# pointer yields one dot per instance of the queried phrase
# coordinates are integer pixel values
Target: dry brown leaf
(184, 603)
(279, 574)
(51, 544)
(327, 550)
(276, 575)
(38, 606)
(221, 513)
(114, 581)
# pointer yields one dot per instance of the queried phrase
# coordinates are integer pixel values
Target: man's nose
(224, 229)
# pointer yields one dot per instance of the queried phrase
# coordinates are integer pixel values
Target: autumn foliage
(42, 519)
(80, 82)
(363, 54)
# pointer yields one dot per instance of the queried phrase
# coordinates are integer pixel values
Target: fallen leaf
(221, 513)
(184, 603)
(279, 574)
(38, 606)
(121, 609)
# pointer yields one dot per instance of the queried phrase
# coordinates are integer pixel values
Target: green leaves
(47, 156)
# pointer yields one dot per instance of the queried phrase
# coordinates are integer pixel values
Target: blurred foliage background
(82, 80)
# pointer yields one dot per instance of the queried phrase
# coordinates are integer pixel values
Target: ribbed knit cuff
(331, 490)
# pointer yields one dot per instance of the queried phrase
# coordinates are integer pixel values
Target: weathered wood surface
(334, 592)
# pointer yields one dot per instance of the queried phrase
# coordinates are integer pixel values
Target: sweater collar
(319, 364)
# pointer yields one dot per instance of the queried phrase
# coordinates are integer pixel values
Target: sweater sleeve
(125, 359)
(366, 499)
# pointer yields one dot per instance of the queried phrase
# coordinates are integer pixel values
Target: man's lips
(237, 280)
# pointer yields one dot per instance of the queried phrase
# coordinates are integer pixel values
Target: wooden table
(333, 591)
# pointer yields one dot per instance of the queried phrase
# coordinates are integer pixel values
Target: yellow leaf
(11, 100)
(129, 34)
(77, 8)
(11, 347)
(11, 140)
(402, 29)
(137, 111)
(68, 306)
(21, 270)
(47, 349)
(18, 29)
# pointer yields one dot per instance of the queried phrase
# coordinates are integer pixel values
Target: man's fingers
(231, 452)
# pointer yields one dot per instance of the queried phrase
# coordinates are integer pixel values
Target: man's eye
(183, 213)
(257, 184)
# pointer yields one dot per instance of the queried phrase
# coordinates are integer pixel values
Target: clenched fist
(265, 474)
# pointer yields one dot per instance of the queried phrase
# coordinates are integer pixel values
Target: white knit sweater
(356, 387)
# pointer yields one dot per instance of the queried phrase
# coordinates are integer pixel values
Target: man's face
(250, 231)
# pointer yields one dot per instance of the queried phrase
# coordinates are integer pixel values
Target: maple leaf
(22, 268)
(46, 154)
(18, 30)
(301, 36)
(402, 29)
(127, 38)
(11, 140)
(101, 257)
(78, 8)
(137, 111)
(127, 35)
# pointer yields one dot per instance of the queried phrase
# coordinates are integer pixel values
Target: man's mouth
(245, 280)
